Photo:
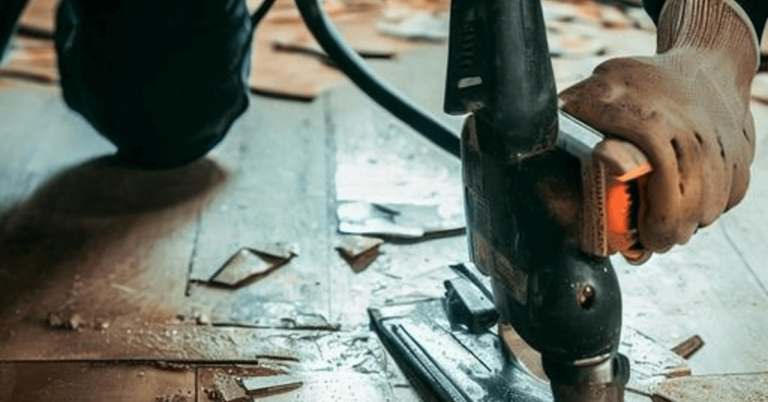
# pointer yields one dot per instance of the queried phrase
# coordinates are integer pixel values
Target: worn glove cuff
(708, 25)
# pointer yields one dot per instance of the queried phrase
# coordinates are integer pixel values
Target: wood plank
(703, 288)
(338, 385)
(143, 381)
(40, 16)
(380, 159)
(745, 226)
(95, 382)
(745, 387)
(277, 191)
(78, 233)
(105, 251)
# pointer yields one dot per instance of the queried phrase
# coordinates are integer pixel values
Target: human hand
(687, 109)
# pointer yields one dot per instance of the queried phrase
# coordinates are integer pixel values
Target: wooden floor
(129, 252)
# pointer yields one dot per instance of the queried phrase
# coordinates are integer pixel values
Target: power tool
(547, 200)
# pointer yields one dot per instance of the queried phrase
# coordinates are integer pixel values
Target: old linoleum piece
(358, 251)
(251, 263)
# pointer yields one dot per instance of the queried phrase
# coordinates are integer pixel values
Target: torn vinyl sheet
(403, 221)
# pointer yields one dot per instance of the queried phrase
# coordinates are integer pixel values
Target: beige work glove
(687, 109)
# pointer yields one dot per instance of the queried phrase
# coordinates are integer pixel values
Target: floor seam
(743, 259)
(329, 127)
(193, 254)
(197, 375)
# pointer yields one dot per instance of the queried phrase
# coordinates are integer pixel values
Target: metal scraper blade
(446, 362)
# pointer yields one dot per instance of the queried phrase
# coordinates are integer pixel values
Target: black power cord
(261, 12)
(351, 64)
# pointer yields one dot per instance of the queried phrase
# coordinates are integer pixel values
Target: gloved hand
(687, 109)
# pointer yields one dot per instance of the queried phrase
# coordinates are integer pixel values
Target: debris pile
(72, 321)
(65, 320)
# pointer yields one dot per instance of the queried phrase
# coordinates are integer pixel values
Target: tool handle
(615, 179)
(499, 68)
(614, 176)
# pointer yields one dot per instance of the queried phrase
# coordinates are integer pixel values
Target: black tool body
(564, 303)
(519, 189)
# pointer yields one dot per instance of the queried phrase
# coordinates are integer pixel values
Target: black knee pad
(162, 80)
